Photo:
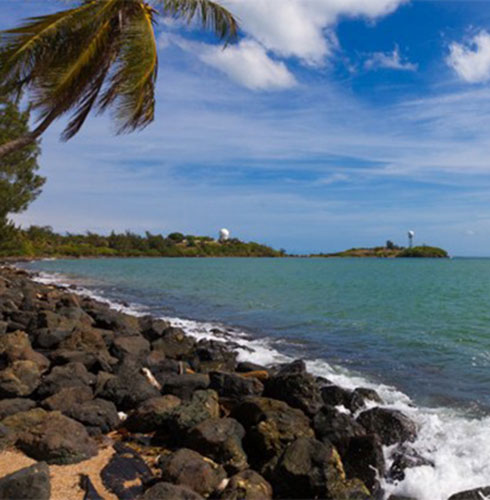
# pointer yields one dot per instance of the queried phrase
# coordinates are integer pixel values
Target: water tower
(411, 234)
(224, 234)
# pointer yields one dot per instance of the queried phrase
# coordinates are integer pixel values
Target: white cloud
(303, 28)
(249, 65)
(471, 61)
(390, 60)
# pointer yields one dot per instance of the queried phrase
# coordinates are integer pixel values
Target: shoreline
(315, 390)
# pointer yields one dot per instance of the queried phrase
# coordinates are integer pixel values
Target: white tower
(224, 234)
(411, 234)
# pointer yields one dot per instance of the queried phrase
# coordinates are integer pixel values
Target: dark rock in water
(128, 388)
(175, 343)
(98, 416)
(246, 366)
(406, 458)
(61, 377)
(50, 436)
(130, 346)
(214, 356)
(90, 492)
(296, 366)
(221, 440)
(271, 425)
(336, 427)
(66, 399)
(152, 328)
(359, 397)
(126, 474)
(30, 482)
(333, 395)
(183, 385)
(189, 468)
(400, 497)
(21, 378)
(297, 389)
(364, 459)
(247, 485)
(152, 414)
(391, 425)
(15, 405)
(476, 494)
(231, 385)
(109, 319)
(203, 405)
(311, 469)
(168, 491)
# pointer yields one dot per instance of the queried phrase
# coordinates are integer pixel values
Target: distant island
(391, 251)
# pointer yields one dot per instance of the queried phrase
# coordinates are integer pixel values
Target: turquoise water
(422, 326)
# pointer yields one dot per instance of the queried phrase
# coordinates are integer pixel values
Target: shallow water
(417, 330)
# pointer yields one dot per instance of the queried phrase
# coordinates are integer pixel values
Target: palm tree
(101, 54)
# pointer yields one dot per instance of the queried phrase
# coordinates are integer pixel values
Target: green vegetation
(100, 54)
(44, 242)
(390, 251)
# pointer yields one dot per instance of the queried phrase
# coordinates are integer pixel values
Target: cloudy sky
(330, 124)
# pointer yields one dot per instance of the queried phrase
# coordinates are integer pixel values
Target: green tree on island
(100, 54)
(19, 182)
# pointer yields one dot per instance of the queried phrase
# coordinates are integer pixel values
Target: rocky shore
(147, 411)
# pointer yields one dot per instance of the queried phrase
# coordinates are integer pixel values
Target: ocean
(418, 331)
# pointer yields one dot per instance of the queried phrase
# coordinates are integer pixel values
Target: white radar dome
(224, 234)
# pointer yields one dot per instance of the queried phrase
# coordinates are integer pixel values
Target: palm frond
(210, 14)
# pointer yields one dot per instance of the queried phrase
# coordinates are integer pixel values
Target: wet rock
(336, 427)
(231, 385)
(364, 459)
(30, 482)
(66, 399)
(360, 396)
(50, 436)
(247, 485)
(246, 366)
(152, 414)
(152, 328)
(175, 343)
(308, 469)
(391, 425)
(297, 389)
(168, 491)
(400, 497)
(126, 474)
(214, 356)
(270, 425)
(188, 468)
(203, 405)
(183, 385)
(133, 346)
(406, 458)
(21, 378)
(128, 388)
(109, 319)
(476, 494)
(296, 366)
(98, 416)
(61, 377)
(15, 405)
(334, 395)
(221, 440)
(87, 486)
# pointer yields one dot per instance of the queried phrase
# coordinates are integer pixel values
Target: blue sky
(331, 124)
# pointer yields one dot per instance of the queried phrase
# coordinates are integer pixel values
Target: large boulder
(67, 398)
(188, 468)
(50, 436)
(363, 459)
(404, 458)
(30, 482)
(152, 414)
(152, 328)
(232, 385)
(16, 346)
(475, 494)
(130, 346)
(211, 355)
(110, 319)
(169, 491)
(183, 386)
(21, 378)
(61, 377)
(299, 390)
(361, 396)
(126, 474)
(175, 343)
(271, 425)
(15, 405)
(247, 485)
(333, 395)
(99, 416)
(53, 328)
(391, 425)
(221, 440)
